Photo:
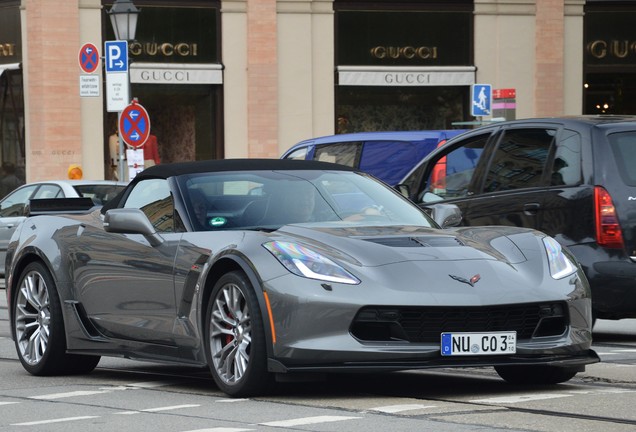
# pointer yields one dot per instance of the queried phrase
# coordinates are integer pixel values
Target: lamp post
(123, 18)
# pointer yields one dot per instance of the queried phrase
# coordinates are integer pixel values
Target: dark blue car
(388, 156)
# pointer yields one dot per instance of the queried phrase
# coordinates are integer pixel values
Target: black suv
(571, 177)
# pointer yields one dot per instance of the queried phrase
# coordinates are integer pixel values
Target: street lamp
(123, 18)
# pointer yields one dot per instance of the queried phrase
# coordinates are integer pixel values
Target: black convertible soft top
(165, 171)
(178, 168)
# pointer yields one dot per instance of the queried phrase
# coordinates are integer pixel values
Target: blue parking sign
(116, 55)
(481, 100)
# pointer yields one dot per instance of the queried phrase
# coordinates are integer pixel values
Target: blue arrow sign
(116, 53)
(134, 125)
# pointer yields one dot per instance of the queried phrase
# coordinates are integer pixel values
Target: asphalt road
(128, 395)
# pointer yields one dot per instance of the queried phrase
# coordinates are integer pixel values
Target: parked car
(215, 263)
(573, 178)
(13, 207)
(387, 155)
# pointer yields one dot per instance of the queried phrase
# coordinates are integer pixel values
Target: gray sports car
(264, 269)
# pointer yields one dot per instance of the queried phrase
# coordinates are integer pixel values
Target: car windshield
(271, 199)
(99, 193)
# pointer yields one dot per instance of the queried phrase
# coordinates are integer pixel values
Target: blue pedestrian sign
(481, 98)
(116, 54)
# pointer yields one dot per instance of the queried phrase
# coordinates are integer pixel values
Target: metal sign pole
(121, 149)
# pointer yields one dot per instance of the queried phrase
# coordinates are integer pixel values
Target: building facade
(250, 78)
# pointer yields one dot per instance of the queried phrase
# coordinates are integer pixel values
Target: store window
(609, 58)
(176, 75)
(12, 160)
(403, 66)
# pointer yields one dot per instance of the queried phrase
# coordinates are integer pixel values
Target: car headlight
(304, 262)
(560, 264)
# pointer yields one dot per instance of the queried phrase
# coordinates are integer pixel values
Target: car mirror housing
(131, 221)
(446, 215)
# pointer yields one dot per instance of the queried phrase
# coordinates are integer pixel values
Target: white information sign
(135, 158)
(89, 85)
(117, 90)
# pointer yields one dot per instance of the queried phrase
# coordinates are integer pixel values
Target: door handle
(531, 209)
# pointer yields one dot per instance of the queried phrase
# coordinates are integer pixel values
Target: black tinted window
(520, 159)
(566, 167)
(624, 148)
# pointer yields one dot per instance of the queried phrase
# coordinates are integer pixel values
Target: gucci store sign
(406, 76)
(175, 73)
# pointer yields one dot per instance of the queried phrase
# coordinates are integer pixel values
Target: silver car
(270, 269)
(13, 207)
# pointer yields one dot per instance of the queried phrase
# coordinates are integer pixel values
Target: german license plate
(479, 343)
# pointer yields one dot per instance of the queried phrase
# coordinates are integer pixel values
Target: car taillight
(608, 230)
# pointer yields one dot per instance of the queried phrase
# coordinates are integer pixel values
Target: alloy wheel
(231, 334)
(33, 318)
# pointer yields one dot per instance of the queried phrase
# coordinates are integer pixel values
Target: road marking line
(221, 429)
(393, 409)
(307, 421)
(231, 400)
(8, 403)
(60, 420)
(168, 408)
(69, 394)
(153, 384)
(520, 398)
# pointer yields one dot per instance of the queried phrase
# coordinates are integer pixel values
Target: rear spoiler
(60, 206)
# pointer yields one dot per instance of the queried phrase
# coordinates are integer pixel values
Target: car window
(219, 202)
(49, 191)
(391, 160)
(301, 154)
(520, 159)
(153, 197)
(268, 200)
(624, 148)
(99, 193)
(453, 172)
(566, 166)
(14, 203)
(347, 153)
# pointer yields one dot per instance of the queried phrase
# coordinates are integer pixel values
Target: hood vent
(422, 241)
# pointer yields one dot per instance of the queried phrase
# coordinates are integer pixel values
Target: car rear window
(623, 145)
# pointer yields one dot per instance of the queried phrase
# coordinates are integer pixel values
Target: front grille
(425, 324)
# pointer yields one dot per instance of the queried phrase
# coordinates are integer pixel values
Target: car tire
(535, 375)
(38, 327)
(235, 338)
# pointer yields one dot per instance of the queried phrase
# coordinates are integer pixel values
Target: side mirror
(446, 215)
(131, 221)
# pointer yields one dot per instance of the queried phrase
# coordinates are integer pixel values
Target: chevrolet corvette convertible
(273, 269)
